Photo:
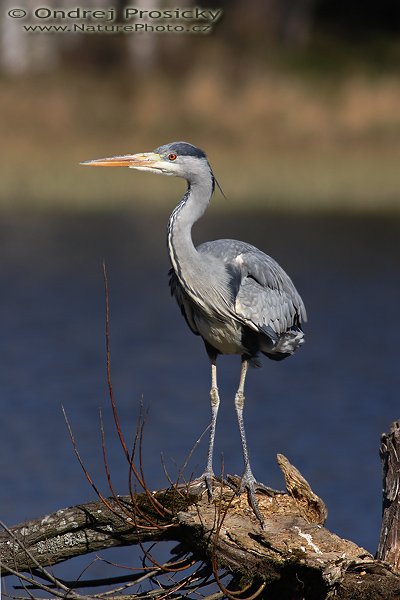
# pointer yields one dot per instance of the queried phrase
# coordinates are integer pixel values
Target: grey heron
(238, 299)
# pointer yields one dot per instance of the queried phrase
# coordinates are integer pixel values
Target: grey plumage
(261, 299)
(238, 299)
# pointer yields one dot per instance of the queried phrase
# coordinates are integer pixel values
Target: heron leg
(214, 397)
(248, 481)
(239, 406)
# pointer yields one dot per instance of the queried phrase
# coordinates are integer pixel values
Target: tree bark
(389, 543)
(292, 556)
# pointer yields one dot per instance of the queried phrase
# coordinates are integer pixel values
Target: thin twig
(87, 475)
(108, 366)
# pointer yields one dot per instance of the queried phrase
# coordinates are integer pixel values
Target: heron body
(238, 299)
(255, 307)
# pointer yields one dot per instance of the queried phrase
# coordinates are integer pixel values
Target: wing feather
(265, 296)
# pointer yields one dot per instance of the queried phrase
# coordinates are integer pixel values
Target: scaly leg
(248, 481)
(214, 396)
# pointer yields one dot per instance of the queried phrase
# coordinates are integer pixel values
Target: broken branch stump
(389, 542)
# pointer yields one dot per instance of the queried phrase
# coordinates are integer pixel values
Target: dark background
(297, 107)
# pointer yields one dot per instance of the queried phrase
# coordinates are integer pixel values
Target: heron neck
(191, 208)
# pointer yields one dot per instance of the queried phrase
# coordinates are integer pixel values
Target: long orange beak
(146, 160)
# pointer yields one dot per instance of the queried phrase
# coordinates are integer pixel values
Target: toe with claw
(206, 480)
(249, 483)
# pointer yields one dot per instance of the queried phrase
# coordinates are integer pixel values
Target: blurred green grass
(275, 141)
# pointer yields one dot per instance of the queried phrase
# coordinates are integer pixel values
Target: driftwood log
(292, 556)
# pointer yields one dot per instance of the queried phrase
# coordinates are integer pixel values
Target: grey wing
(265, 296)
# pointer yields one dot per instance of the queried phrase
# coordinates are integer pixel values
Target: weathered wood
(73, 532)
(293, 554)
(312, 507)
(389, 542)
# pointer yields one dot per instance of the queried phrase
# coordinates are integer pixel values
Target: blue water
(324, 408)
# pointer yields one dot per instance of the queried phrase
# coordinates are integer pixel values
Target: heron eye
(172, 156)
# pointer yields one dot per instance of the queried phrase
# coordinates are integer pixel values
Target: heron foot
(206, 479)
(249, 483)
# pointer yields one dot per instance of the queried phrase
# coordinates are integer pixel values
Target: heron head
(178, 158)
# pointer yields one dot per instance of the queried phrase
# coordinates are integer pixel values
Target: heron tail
(287, 344)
